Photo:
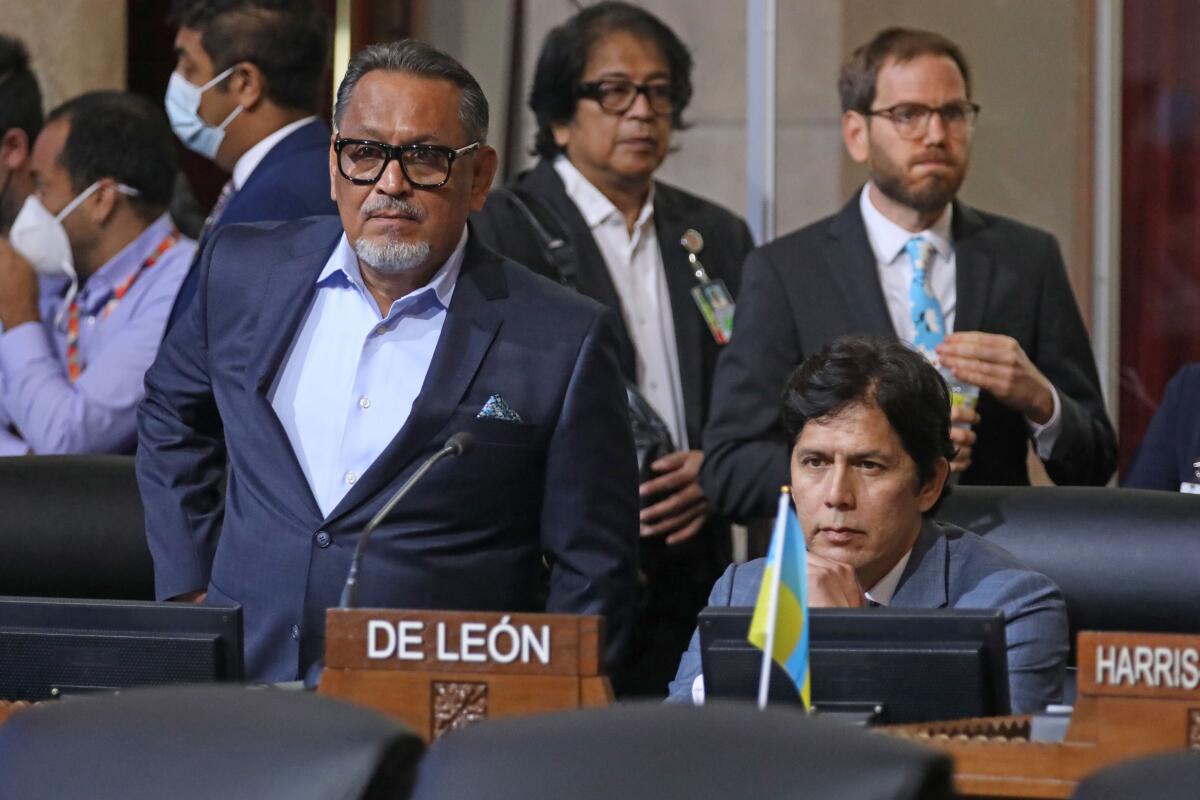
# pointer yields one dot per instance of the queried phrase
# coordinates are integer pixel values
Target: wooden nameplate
(440, 670)
(1139, 693)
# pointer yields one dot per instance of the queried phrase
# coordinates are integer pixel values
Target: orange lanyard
(74, 364)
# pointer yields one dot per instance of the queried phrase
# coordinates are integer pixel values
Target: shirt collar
(254, 156)
(888, 239)
(593, 205)
(131, 257)
(883, 590)
(342, 266)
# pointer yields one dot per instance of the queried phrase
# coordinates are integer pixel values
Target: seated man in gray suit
(869, 425)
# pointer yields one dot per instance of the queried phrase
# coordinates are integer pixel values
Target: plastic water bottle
(961, 394)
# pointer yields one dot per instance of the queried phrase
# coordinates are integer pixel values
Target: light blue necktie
(924, 309)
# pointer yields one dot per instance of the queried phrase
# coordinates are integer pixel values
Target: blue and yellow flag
(780, 623)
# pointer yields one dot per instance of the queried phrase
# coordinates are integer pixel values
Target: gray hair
(414, 57)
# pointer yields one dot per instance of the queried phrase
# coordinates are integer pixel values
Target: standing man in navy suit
(985, 295)
(329, 358)
(246, 82)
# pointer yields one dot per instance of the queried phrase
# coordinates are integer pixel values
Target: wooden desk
(1139, 694)
(440, 670)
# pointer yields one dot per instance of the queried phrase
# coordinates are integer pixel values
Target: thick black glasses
(425, 166)
(617, 97)
(912, 119)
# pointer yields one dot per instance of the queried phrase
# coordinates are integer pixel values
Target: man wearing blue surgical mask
(88, 274)
(246, 82)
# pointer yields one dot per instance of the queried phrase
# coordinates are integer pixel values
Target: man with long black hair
(611, 86)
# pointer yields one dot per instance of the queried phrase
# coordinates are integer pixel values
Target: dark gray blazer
(949, 568)
(820, 283)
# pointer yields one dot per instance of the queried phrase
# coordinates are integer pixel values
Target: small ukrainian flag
(780, 622)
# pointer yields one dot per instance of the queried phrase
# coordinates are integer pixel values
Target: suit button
(323, 539)
(295, 631)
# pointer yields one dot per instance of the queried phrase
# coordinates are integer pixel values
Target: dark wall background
(1160, 206)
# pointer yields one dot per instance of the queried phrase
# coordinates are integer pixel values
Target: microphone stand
(459, 444)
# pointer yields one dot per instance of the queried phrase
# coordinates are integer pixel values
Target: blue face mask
(183, 109)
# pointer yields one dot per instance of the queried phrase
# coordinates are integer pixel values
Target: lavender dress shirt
(41, 410)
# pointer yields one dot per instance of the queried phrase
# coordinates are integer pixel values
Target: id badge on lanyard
(1192, 488)
(711, 297)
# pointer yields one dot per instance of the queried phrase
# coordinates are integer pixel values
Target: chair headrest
(639, 751)
(202, 742)
(1125, 559)
(73, 526)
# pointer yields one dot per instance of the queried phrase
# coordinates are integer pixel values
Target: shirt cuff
(698, 690)
(1044, 436)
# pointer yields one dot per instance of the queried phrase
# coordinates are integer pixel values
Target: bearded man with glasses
(611, 85)
(985, 298)
(326, 359)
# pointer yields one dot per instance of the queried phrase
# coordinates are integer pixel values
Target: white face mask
(40, 237)
(183, 109)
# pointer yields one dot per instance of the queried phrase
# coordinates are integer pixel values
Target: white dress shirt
(635, 265)
(895, 271)
(883, 590)
(350, 377)
(254, 156)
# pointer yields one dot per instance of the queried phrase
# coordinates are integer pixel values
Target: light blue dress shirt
(351, 375)
(98, 412)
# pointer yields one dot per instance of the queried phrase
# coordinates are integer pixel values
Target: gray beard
(392, 257)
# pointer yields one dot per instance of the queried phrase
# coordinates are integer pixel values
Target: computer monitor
(50, 647)
(890, 665)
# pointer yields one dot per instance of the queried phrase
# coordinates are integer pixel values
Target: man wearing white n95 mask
(77, 341)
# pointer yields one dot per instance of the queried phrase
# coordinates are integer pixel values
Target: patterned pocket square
(496, 408)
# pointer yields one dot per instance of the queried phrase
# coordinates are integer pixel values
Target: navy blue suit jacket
(1170, 451)
(949, 568)
(291, 182)
(560, 485)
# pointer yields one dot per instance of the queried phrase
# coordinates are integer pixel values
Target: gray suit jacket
(949, 568)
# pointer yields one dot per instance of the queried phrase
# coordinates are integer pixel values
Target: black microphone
(457, 445)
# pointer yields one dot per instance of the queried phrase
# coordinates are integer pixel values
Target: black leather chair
(1125, 559)
(659, 752)
(204, 742)
(1174, 776)
(72, 526)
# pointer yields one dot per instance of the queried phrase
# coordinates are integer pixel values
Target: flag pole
(776, 550)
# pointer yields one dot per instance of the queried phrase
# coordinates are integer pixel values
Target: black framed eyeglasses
(618, 96)
(912, 119)
(425, 166)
